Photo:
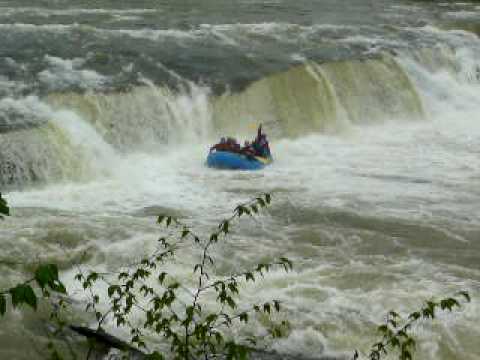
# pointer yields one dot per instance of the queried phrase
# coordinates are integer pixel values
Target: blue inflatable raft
(235, 161)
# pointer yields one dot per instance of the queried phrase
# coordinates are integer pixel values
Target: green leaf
(174, 286)
(276, 303)
(210, 259)
(211, 318)
(410, 342)
(448, 303)
(112, 289)
(92, 277)
(145, 262)
(154, 356)
(30, 297)
(428, 313)
(225, 227)
(465, 294)
(268, 197)
(46, 275)
(276, 333)
(431, 305)
(218, 338)
(288, 264)
(244, 317)
(23, 294)
(393, 314)
(120, 320)
(161, 277)
(249, 276)
(382, 328)
(230, 302)
(393, 322)
(185, 232)
(414, 316)
(122, 275)
(405, 355)
(4, 209)
(261, 202)
(266, 308)
(240, 210)
(3, 305)
(59, 287)
(395, 342)
(233, 288)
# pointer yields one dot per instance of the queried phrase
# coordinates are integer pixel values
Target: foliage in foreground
(179, 314)
(45, 279)
(397, 330)
(4, 209)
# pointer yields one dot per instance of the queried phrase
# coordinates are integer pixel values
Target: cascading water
(57, 145)
(372, 119)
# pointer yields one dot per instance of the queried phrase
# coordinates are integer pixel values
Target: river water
(107, 110)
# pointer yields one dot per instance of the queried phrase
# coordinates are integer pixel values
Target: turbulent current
(107, 111)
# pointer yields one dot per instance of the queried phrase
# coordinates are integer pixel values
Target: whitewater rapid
(374, 131)
(369, 219)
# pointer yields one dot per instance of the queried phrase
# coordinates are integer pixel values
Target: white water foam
(64, 73)
(14, 111)
(379, 218)
(42, 12)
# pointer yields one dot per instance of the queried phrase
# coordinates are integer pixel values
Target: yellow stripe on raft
(263, 160)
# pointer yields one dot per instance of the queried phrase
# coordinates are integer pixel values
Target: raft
(235, 161)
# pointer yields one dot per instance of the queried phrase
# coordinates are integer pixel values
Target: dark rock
(107, 341)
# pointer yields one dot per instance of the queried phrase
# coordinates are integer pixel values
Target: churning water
(106, 114)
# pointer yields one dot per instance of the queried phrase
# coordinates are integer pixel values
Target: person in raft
(228, 144)
(258, 147)
(248, 149)
(260, 144)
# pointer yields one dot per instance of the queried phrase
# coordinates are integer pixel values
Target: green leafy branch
(191, 330)
(45, 278)
(396, 331)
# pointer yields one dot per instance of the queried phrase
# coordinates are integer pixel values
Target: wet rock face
(6, 128)
(7, 169)
(12, 174)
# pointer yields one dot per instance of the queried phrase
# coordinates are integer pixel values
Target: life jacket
(261, 146)
(222, 147)
(249, 150)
